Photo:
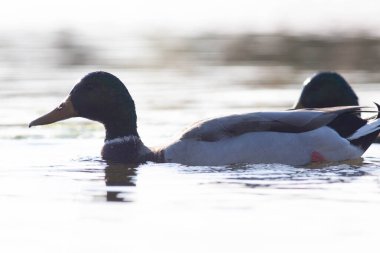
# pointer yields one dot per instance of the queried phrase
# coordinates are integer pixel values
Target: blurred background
(288, 37)
(233, 56)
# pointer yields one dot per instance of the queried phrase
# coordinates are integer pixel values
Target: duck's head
(326, 89)
(102, 97)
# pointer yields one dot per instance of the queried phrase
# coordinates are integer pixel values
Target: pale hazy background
(296, 38)
(312, 16)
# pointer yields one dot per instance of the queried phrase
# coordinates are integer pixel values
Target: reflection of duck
(292, 137)
(326, 89)
(118, 175)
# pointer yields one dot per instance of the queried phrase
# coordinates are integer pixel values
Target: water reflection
(298, 178)
(277, 176)
(116, 182)
(117, 178)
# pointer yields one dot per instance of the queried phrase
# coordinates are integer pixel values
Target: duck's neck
(120, 128)
(130, 149)
(123, 143)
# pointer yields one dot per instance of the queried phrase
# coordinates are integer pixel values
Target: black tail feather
(346, 124)
(378, 110)
(365, 141)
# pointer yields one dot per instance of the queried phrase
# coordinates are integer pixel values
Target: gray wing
(295, 121)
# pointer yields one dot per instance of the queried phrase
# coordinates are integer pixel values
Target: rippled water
(57, 195)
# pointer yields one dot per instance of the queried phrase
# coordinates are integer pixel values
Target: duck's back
(234, 125)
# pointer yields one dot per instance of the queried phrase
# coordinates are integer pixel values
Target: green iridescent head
(326, 89)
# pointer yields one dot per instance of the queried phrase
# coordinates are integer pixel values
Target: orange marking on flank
(317, 157)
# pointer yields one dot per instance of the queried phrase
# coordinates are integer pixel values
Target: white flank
(264, 147)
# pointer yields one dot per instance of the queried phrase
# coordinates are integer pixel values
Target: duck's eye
(61, 106)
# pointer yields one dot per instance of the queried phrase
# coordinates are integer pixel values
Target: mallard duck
(295, 137)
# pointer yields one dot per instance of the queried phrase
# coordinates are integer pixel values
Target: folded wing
(294, 121)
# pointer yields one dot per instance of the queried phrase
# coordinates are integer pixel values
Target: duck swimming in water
(294, 137)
